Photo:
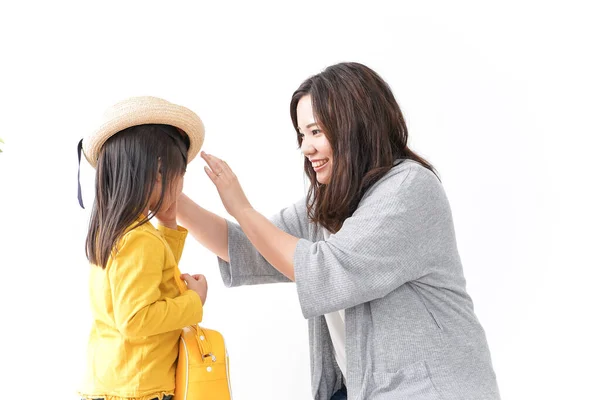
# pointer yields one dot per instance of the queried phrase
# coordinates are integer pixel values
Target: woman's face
(315, 145)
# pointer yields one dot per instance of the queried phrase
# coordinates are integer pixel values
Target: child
(139, 302)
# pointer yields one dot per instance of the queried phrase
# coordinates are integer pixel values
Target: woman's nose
(307, 147)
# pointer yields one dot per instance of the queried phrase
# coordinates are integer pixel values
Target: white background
(502, 97)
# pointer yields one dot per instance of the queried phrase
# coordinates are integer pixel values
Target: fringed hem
(160, 395)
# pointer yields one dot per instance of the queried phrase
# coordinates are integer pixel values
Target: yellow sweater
(138, 311)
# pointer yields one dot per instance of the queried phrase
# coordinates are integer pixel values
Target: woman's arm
(402, 231)
(207, 228)
(273, 243)
(239, 260)
(246, 265)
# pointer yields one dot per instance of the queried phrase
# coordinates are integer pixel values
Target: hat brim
(144, 110)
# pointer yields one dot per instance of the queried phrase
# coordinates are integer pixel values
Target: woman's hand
(227, 184)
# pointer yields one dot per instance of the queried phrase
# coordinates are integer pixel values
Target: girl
(371, 248)
(139, 303)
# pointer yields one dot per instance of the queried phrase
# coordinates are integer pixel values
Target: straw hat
(144, 110)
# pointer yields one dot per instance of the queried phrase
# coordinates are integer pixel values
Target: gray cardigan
(394, 268)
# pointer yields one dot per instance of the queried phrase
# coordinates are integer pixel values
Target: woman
(371, 248)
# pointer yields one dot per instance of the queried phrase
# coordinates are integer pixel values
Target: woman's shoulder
(407, 189)
(404, 175)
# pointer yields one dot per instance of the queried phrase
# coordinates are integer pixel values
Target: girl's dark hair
(363, 123)
(127, 170)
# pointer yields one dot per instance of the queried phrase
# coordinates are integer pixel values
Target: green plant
(1, 141)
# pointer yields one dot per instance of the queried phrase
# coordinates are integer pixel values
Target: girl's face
(315, 145)
(172, 193)
(176, 189)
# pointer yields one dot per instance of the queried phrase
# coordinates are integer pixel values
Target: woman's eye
(316, 131)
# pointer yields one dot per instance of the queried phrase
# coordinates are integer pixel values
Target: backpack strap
(199, 333)
(178, 281)
(204, 344)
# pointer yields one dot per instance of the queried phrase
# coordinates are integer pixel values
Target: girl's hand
(227, 184)
(168, 217)
(198, 284)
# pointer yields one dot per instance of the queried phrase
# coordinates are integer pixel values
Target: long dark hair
(363, 123)
(127, 170)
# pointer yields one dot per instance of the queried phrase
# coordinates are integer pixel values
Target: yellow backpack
(203, 364)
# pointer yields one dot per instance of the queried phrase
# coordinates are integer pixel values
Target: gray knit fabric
(394, 268)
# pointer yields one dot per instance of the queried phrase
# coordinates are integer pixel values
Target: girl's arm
(135, 275)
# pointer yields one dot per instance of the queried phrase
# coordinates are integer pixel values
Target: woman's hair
(128, 166)
(363, 123)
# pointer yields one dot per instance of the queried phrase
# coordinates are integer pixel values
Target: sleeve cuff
(227, 269)
(307, 293)
(197, 307)
(179, 233)
(246, 265)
